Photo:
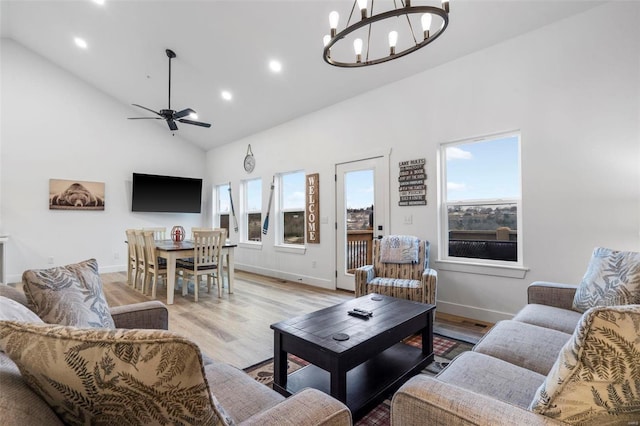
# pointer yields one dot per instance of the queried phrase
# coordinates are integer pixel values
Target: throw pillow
(13, 311)
(68, 295)
(595, 380)
(105, 376)
(612, 278)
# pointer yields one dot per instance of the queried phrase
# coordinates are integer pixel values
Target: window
(480, 214)
(252, 210)
(223, 206)
(291, 215)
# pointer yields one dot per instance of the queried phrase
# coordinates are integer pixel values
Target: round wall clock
(249, 161)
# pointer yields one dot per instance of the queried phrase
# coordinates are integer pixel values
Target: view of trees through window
(359, 219)
(477, 218)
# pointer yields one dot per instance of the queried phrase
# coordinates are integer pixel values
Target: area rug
(444, 349)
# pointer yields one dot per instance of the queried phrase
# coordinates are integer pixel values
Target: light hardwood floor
(235, 328)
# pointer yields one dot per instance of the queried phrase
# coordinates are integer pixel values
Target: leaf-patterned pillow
(596, 378)
(68, 295)
(612, 278)
(113, 376)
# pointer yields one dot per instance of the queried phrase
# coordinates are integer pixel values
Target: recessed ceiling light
(193, 116)
(226, 95)
(275, 66)
(80, 42)
(100, 2)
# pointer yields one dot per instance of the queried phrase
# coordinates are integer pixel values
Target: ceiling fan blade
(150, 110)
(172, 124)
(197, 123)
(183, 113)
(145, 118)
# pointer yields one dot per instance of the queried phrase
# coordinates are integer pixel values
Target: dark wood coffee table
(364, 369)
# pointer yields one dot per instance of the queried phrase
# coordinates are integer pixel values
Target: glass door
(361, 202)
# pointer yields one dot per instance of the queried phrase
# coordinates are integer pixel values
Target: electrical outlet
(50, 260)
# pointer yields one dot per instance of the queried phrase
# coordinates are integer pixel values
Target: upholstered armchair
(413, 281)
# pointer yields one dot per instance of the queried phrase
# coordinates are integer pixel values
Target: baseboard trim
(296, 278)
(473, 312)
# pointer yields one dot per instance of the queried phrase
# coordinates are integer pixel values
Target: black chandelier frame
(401, 11)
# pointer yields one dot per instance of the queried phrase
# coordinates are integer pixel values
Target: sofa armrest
(429, 283)
(426, 400)
(152, 315)
(307, 407)
(362, 276)
(552, 294)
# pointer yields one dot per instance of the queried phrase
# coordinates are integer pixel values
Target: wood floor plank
(236, 328)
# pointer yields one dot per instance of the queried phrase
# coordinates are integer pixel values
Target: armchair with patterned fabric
(405, 274)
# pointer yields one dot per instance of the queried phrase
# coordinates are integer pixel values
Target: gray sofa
(496, 382)
(245, 400)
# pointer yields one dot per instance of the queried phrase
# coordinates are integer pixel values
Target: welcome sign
(313, 208)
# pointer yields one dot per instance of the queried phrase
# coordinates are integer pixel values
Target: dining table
(174, 250)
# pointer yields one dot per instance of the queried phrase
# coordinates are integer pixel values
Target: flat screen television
(168, 194)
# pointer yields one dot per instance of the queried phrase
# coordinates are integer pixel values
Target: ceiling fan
(170, 115)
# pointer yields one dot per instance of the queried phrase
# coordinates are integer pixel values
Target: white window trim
(217, 212)
(279, 229)
(473, 265)
(245, 212)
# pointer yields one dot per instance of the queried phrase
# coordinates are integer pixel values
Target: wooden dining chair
(159, 232)
(207, 261)
(142, 260)
(196, 229)
(155, 268)
(132, 255)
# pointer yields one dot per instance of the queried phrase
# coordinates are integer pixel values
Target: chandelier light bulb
(326, 39)
(333, 22)
(426, 24)
(393, 40)
(363, 8)
(357, 47)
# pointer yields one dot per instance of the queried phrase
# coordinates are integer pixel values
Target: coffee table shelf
(368, 382)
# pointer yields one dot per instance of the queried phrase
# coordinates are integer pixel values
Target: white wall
(571, 88)
(57, 126)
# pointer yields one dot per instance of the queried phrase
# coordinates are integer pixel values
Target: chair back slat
(208, 248)
(159, 232)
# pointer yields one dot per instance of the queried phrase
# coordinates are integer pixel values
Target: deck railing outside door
(359, 248)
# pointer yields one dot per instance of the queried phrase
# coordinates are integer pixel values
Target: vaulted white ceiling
(227, 45)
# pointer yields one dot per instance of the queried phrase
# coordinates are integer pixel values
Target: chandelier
(400, 29)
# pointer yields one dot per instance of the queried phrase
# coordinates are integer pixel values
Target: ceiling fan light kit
(402, 20)
(170, 115)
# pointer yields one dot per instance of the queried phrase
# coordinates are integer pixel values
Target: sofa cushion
(68, 295)
(19, 405)
(13, 311)
(515, 342)
(564, 320)
(89, 375)
(596, 377)
(612, 278)
(232, 386)
(14, 294)
(493, 377)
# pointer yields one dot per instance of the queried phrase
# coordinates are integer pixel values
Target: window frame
(468, 264)
(219, 189)
(245, 211)
(281, 210)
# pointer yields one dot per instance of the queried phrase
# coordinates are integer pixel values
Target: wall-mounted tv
(168, 194)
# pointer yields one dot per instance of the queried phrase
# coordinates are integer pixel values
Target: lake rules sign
(412, 186)
(312, 212)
